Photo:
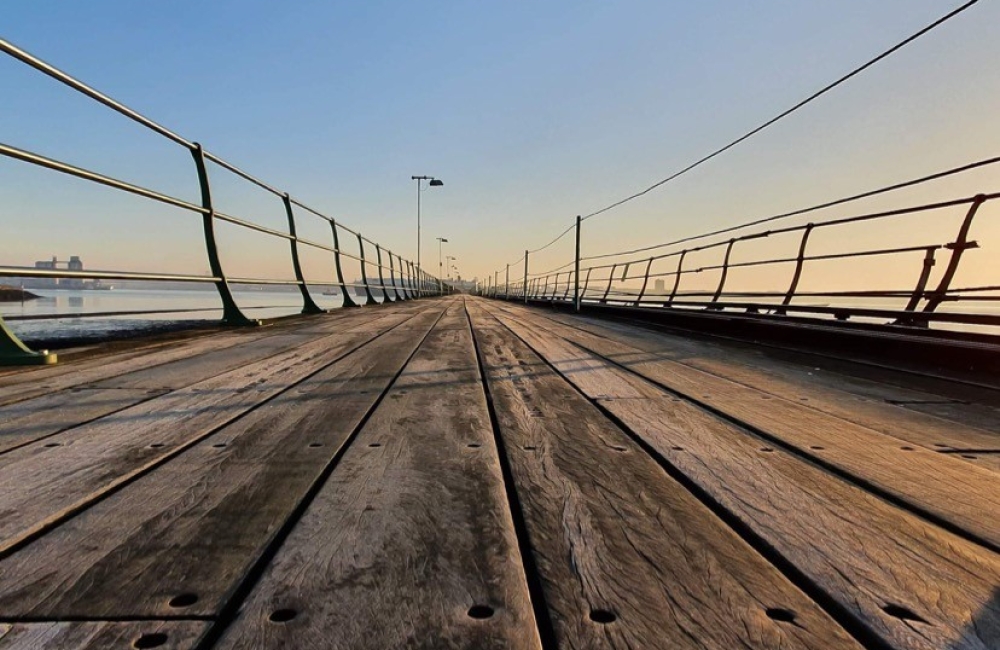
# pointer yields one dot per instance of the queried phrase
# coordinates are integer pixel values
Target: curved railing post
(392, 277)
(404, 277)
(677, 279)
(231, 314)
(413, 280)
(645, 283)
(526, 281)
(364, 274)
(576, 268)
(15, 353)
(611, 279)
(722, 280)
(918, 291)
(586, 284)
(381, 277)
(348, 301)
(959, 246)
(309, 306)
(799, 263)
(569, 285)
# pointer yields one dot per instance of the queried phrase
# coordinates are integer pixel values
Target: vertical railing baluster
(526, 277)
(799, 263)
(392, 277)
(645, 283)
(414, 287)
(611, 279)
(231, 314)
(586, 284)
(959, 246)
(401, 288)
(576, 268)
(722, 279)
(309, 306)
(348, 301)
(364, 274)
(677, 279)
(381, 276)
(920, 289)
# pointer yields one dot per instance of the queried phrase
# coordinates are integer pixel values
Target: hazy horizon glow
(531, 114)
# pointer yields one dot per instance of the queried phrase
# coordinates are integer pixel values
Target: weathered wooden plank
(990, 461)
(949, 489)
(912, 584)
(179, 540)
(40, 484)
(195, 368)
(34, 419)
(164, 635)
(37, 418)
(185, 372)
(32, 382)
(931, 420)
(410, 543)
(614, 536)
(49, 379)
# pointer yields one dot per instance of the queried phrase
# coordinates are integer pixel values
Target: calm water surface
(207, 306)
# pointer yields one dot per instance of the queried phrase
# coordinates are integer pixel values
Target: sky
(530, 112)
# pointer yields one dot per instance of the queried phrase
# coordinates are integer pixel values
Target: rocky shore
(15, 294)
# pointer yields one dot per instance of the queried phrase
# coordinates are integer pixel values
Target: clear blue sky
(531, 112)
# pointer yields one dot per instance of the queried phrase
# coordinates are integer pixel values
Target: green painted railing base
(15, 353)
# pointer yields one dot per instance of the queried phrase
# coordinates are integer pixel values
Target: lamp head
(436, 183)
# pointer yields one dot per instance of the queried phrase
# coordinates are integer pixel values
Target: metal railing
(386, 274)
(624, 278)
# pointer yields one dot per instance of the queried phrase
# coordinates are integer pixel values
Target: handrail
(624, 279)
(415, 282)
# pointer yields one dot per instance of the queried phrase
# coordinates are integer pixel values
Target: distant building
(75, 264)
(659, 286)
(44, 283)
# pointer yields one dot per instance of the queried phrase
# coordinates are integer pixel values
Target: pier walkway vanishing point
(460, 472)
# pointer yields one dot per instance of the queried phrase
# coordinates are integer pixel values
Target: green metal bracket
(348, 302)
(404, 280)
(231, 314)
(364, 275)
(15, 353)
(309, 306)
(392, 277)
(381, 278)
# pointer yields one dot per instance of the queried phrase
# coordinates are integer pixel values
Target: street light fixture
(450, 259)
(441, 242)
(434, 182)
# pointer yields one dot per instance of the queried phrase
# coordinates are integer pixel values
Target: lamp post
(441, 242)
(450, 259)
(434, 182)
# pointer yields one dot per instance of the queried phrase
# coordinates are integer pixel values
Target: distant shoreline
(15, 294)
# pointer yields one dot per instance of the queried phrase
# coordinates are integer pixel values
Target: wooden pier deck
(464, 473)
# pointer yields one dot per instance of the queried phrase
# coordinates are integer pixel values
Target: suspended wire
(541, 248)
(558, 268)
(561, 235)
(814, 208)
(762, 127)
(791, 110)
